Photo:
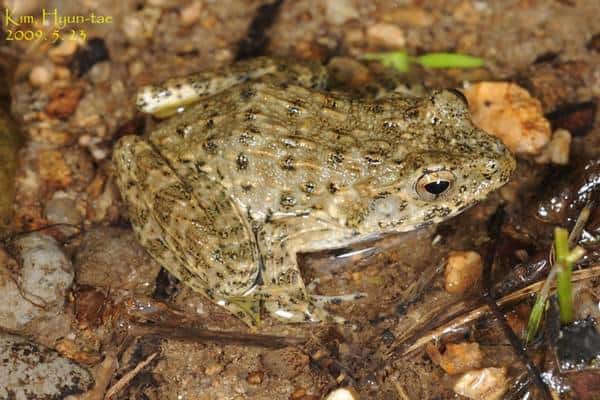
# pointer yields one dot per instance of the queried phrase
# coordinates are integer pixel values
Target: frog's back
(286, 148)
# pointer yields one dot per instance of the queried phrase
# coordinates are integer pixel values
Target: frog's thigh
(280, 241)
(193, 230)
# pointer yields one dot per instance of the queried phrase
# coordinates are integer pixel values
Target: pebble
(255, 377)
(482, 384)
(41, 75)
(46, 272)
(339, 11)
(47, 135)
(31, 371)
(62, 210)
(386, 35)
(458, 357)
(508, 111)
(191, 13)
(214, 369)
(63, 102)
(463, 269)
(558, 150)
(348, 71)
(37, 291)
(410, 15)
(112, 258)
(140, 26)
(342, 394)
(54, 169)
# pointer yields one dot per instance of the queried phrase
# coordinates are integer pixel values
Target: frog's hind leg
(285, 294)
(166, 99)
(204, 243)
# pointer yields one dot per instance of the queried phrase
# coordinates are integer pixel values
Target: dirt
(74, 98)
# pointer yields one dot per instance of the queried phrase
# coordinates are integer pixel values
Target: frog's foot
(293, 305)
(324, 300)
(327, 300)
(246, 308)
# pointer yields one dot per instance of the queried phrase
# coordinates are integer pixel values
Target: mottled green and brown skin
(267, 165)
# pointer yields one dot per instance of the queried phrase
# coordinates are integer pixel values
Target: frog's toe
(245, 308)
(301, 312)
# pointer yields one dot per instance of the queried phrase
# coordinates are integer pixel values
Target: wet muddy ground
(75, 282)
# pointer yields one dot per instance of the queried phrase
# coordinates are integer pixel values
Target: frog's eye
(435, 184)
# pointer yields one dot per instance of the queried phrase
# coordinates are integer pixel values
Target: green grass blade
(395, 59)
(563, 275)
(449, 60)
(535, 318)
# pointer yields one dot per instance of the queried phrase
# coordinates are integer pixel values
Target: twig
(125, 379)
(488, 296)
(207, 335)
(465, 317)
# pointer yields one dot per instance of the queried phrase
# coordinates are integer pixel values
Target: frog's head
(452, 166)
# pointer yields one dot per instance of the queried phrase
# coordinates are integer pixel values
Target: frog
(258, 162)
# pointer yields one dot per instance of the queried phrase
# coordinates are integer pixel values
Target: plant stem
(564, 269)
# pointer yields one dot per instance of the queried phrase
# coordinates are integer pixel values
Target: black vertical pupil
(437, 187)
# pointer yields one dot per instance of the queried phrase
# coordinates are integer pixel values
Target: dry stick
(488, 296)
(125, 379)
(222, 337)
(465, 317)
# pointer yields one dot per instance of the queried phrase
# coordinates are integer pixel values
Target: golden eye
(435, 184)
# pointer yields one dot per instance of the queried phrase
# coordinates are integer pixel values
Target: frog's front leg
(284, 292)
(190, 226)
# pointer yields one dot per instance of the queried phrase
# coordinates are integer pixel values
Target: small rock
(34, 293)
(112, 258)
(41, 75)
(47, 135)
(458, 357)
(340, 11)
(463, 269)
(386, 35)
(46, 272)
(62, 210)
(410, 15)
(342, 394)
(558, 150)
(62, 73)
(191, 13)
(213, 369)
(297, 394)
(255, 378)
(53, 169)
(482, 384)
(508, 111)
(349, 72)
(31, 371)
(139, 27)
(63, 102)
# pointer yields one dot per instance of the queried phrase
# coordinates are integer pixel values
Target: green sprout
(401, 61)
(562, 269)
